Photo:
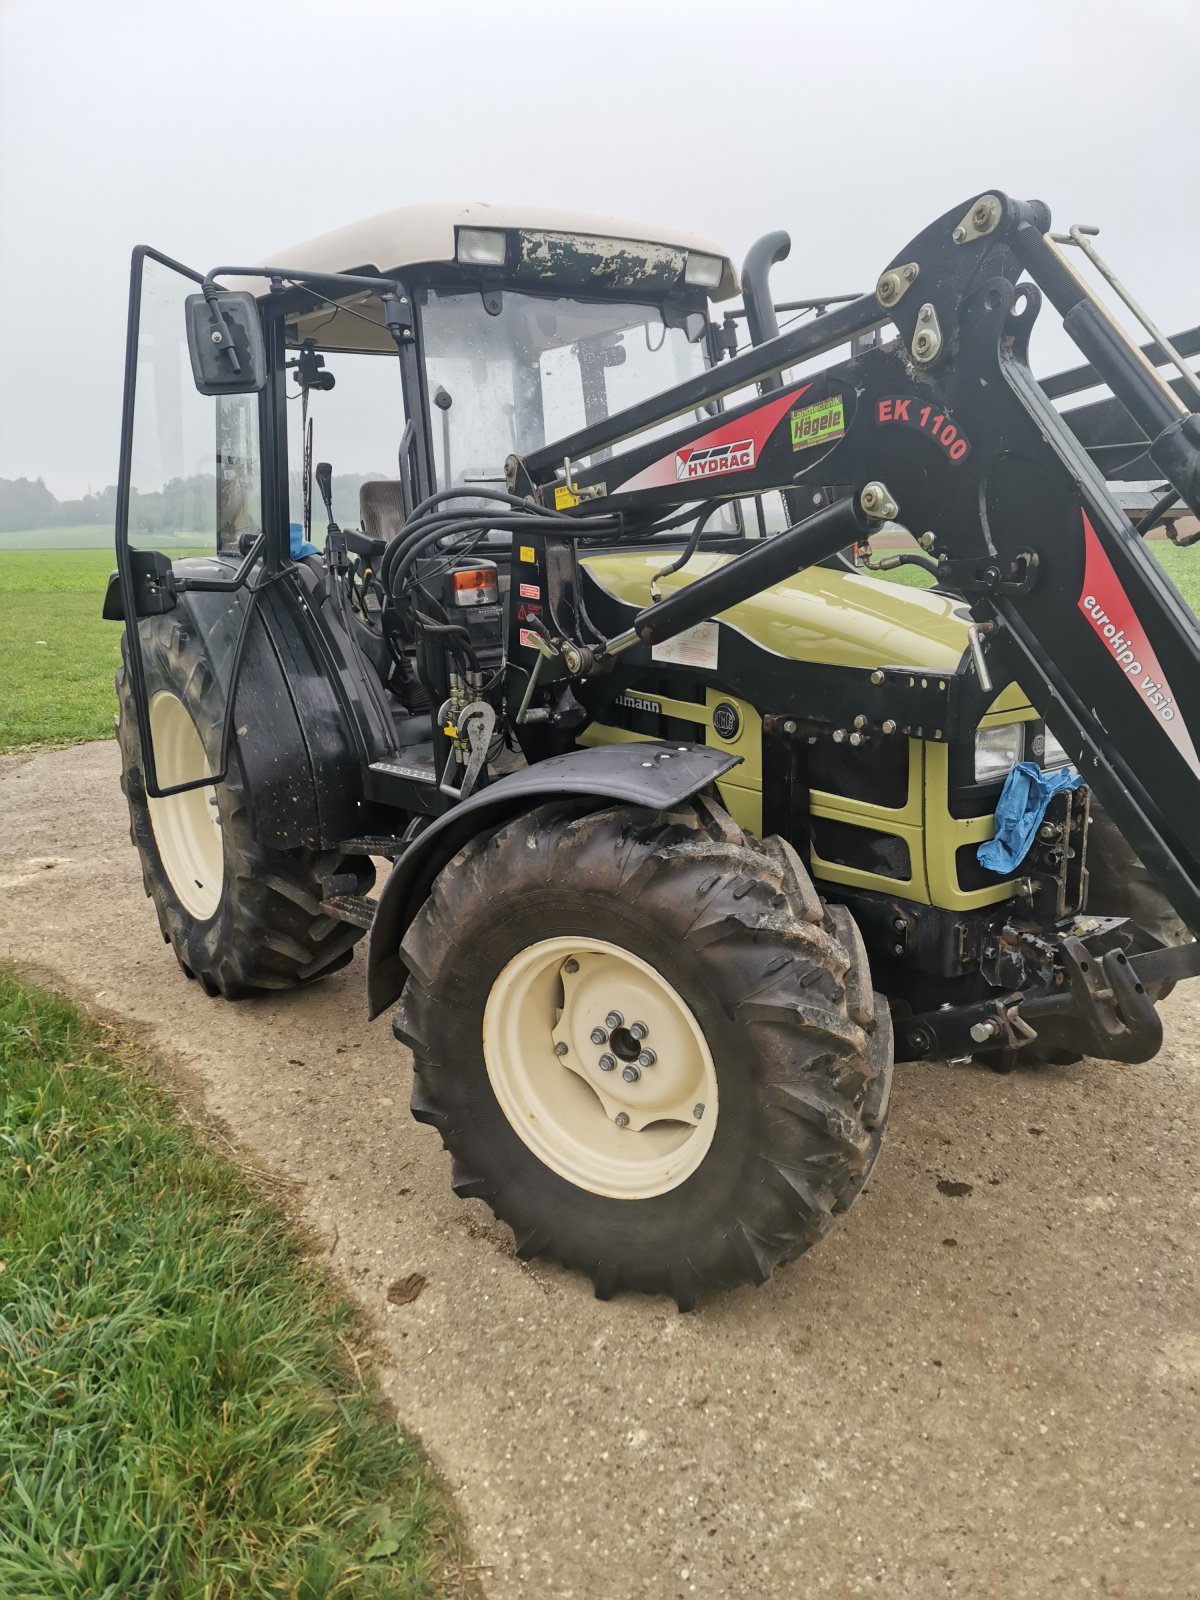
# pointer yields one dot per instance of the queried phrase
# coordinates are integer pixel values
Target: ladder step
(356, 908)
(372, 844)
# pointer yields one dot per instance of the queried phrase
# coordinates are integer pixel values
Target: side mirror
(225, 343)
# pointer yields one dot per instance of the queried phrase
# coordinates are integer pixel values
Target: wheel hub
(187, 827)
(601, 1067)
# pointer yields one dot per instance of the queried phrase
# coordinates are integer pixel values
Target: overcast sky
(224, 133)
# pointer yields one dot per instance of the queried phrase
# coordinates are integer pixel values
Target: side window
(195, 478)
(356, 426)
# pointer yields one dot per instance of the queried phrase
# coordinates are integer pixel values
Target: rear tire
(242, 917)
(758, 997)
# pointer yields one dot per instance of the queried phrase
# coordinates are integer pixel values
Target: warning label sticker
(697, 647)
(530, 591)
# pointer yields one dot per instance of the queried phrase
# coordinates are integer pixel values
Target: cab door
(189, 491)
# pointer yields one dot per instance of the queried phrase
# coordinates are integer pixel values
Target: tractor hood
(838, 618)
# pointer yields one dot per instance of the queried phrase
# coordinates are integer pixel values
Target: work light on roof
(704, 272)
(482, 247)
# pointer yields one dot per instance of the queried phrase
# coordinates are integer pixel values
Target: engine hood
(822, 615)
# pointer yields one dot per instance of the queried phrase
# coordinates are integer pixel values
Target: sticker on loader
(820, 423)
(716, 460)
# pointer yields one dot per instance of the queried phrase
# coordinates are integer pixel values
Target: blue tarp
(1027, 791)
(300, 545)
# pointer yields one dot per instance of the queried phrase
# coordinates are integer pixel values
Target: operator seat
(381, 507)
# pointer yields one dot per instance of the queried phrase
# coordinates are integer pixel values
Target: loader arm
(950, 418)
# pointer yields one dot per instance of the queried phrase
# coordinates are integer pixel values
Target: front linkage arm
(950, 418)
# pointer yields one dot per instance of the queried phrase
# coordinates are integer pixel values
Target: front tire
(762, 1057)
(242, 917)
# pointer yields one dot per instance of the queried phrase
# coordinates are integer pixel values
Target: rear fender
(656, 776)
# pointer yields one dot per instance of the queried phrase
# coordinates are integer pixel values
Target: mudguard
(657, 776)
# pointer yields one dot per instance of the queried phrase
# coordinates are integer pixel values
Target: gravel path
(983, 1383)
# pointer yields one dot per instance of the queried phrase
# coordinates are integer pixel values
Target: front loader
(692, 825)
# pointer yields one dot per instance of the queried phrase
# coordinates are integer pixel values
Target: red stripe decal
(733, 447)
(1110, 611)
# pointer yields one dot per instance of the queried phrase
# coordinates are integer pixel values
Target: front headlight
(997, 750)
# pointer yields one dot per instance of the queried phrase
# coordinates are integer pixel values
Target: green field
(180, 1414)
(1182, 566)
(88, 536)
(57, 656)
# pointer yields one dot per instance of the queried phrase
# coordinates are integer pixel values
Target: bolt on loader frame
(285, 742)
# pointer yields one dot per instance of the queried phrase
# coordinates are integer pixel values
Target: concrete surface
(983, 1383)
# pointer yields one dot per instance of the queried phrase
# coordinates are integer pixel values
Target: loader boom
(950, 418)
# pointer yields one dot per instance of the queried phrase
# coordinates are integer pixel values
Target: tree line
(182, 505)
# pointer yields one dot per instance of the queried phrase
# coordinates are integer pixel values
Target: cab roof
(423, 235)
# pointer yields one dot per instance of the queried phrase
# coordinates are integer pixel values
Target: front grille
(868, 849)
(878, 775)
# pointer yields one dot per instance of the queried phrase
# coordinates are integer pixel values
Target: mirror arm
(221, 334)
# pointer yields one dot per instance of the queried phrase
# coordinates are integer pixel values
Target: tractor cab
(525, 325)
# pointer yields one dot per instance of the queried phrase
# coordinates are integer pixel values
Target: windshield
(537, 370)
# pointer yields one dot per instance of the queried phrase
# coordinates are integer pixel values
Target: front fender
(657, 776)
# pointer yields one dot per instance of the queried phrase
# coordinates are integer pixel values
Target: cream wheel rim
(600, 1067)
(187, 827)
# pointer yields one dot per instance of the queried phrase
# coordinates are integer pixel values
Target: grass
(179, 1419)
(1181, 566)
(57, 656)
(90, 536)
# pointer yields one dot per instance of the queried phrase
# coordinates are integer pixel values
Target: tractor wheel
(646, 1044)
(242, 917)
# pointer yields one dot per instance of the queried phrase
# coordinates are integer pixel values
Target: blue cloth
(1023, 800)
(300, 545)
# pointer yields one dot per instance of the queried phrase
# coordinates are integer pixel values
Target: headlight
(997, 750)
(1053, 754)
(704, 272)
(482, 247)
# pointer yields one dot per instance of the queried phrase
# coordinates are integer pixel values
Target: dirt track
(970, 1391)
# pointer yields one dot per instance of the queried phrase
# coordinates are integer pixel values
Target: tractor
(587, 694)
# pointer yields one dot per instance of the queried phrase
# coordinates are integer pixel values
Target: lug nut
(697, 1112)
(638, 1030)
(631, 1074)
(614, 1019)
(599, 1036)
(647, 1058)
(622, 1119)
(607, 1063)
(571, 965)
(560, 1049)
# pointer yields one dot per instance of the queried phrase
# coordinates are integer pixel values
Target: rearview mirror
(225, 343)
